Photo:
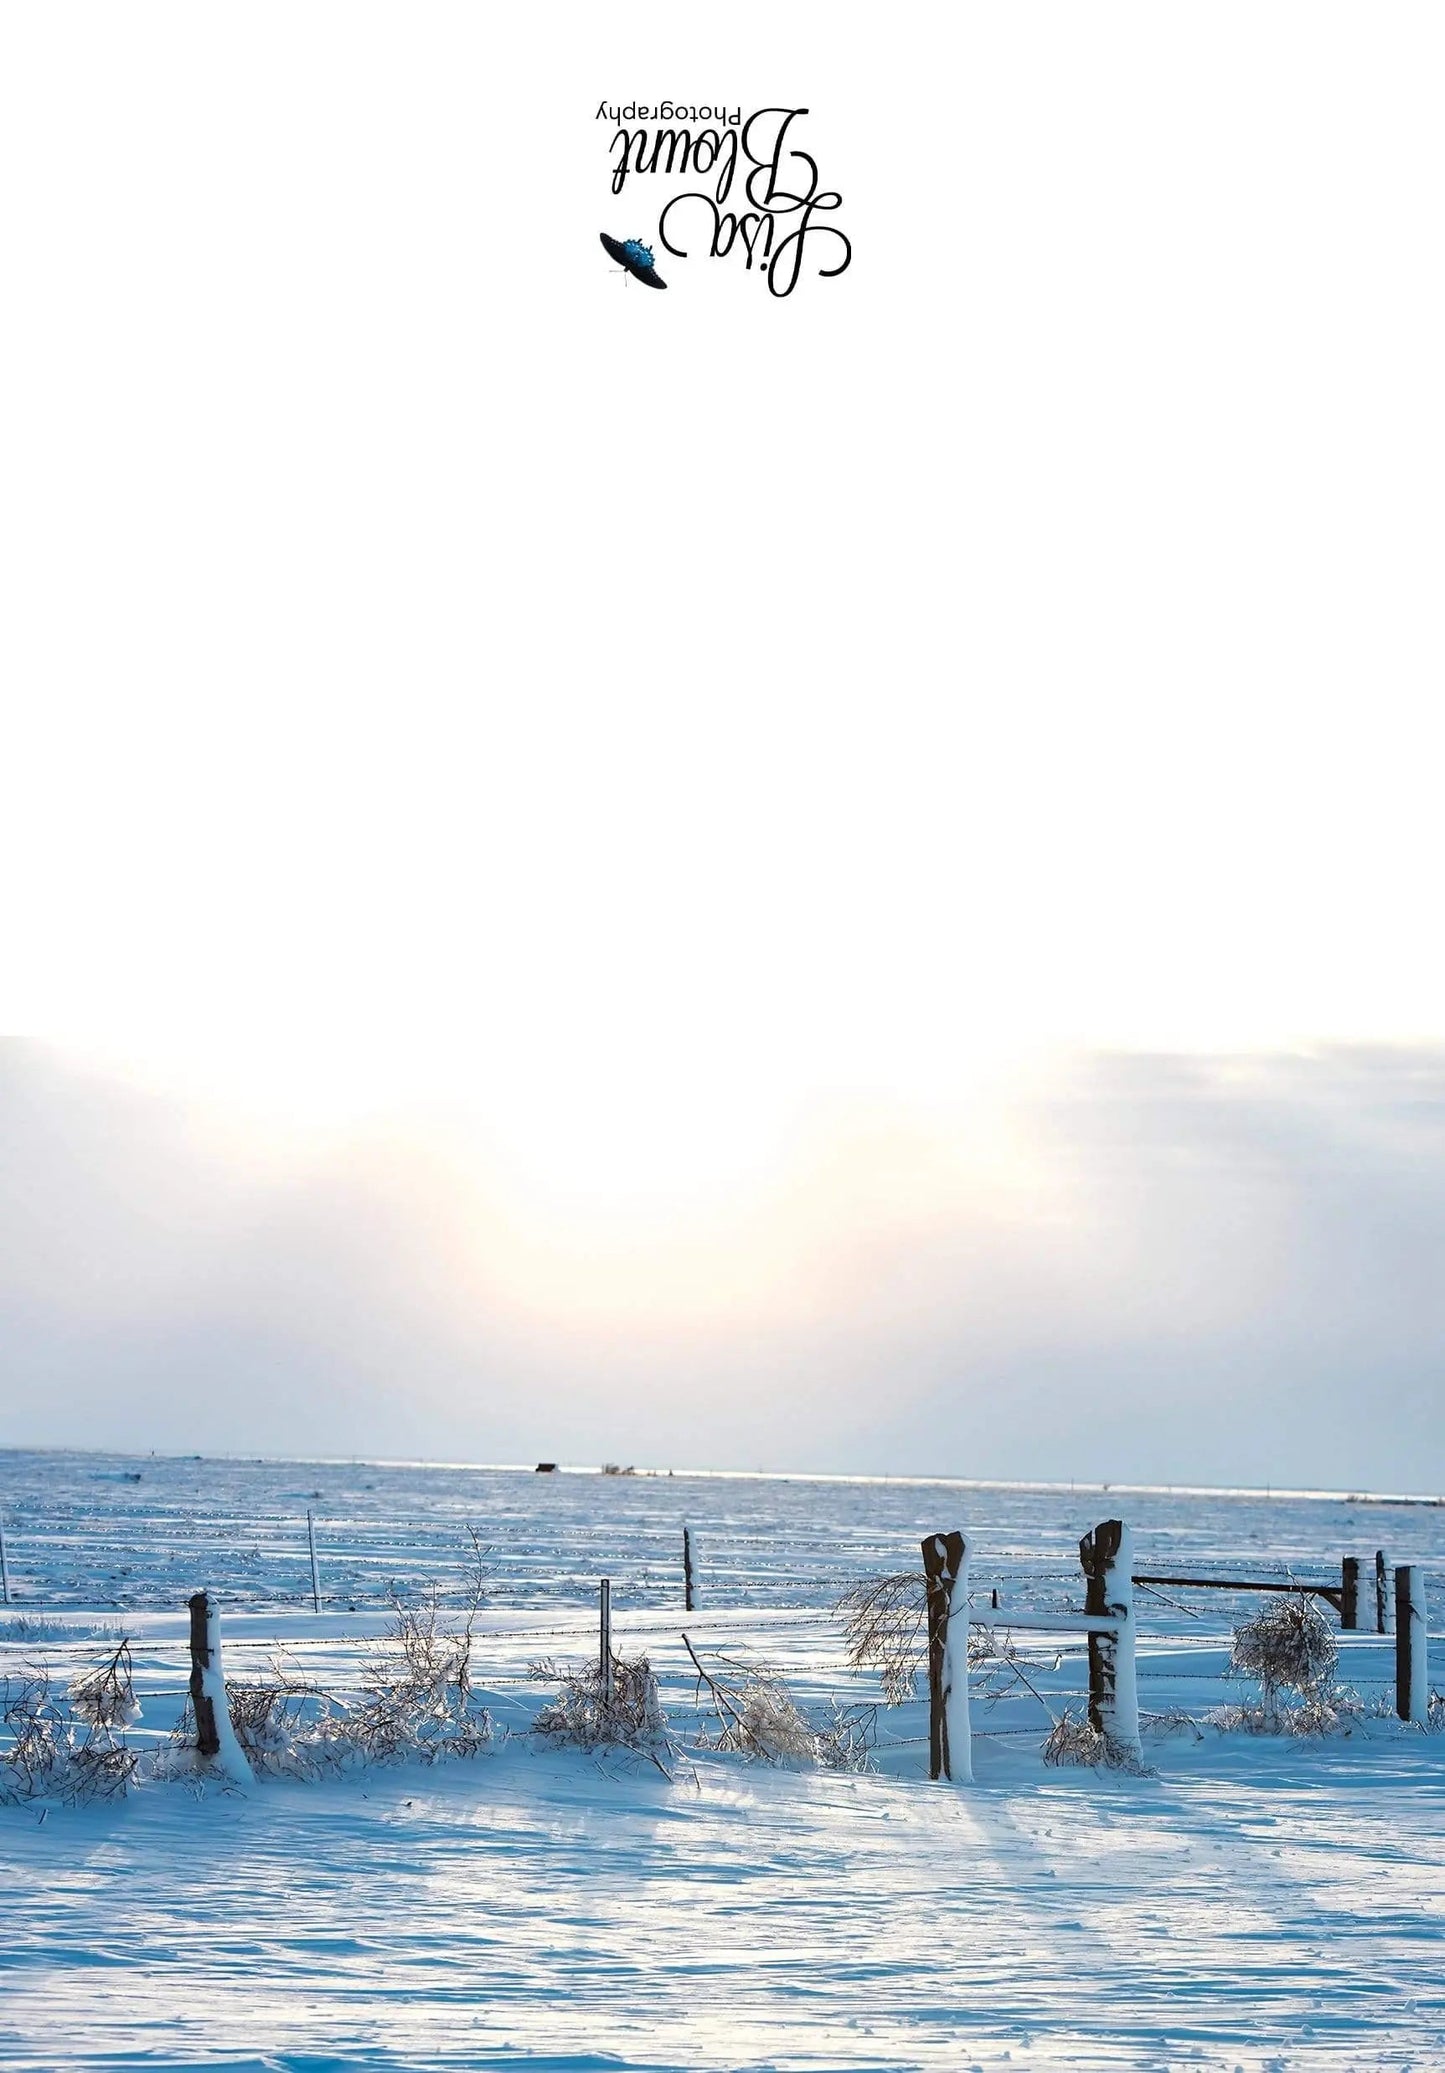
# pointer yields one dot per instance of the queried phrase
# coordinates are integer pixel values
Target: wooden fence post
(1107, 1556)
(687, 1589)
(605, 1638)
(4, 1566)
(207, 1740)
(1350, 1594)
(1412, 1657)
(215, 1737)
(950, 1750)
(315, 1574)
(1382, 1594)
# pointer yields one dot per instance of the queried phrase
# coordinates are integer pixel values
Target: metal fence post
(315, 1573)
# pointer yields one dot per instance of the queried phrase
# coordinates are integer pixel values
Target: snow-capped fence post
(945, 1569)
(687, 1588)
(215, 1737)
(315, 1573)
(1107, 1556)
(1350, 1594)
(605, 1638)
(1382, 1593)
(4, 1566)
(1412, 1658)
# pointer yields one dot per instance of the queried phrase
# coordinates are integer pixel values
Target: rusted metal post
(687, 1580)
(1382, 1593)
(605, 1638)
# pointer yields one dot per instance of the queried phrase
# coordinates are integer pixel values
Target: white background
(658, 729)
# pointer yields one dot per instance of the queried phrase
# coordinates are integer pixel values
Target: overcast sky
(846, 881)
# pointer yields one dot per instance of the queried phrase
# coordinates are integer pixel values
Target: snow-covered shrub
(1335, 1711)
(177, 1759)
(100, 1768)
(1289, 1648)
(1175, 1722)
(69, 1749)
(264, 1718)
(845, 1741)
(416, 1704)
(105, 1697)
(36, 1756)
(591, 1712)
(104, 1701)
(758, 1717)
(416, 1700)
(1073, 1739)
(285, 1726)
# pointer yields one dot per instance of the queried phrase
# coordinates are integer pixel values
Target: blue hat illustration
(636, 257)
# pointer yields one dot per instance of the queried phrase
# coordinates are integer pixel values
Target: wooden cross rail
(1331, 1592)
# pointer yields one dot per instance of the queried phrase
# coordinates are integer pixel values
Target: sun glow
(940, 700)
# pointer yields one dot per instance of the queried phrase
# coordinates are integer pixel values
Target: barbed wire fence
(763, 1608)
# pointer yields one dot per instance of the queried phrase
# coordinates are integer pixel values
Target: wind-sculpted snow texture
(537, 1911)
(1261, 1902)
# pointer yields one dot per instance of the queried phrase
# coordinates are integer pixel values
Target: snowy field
(1261, 1902)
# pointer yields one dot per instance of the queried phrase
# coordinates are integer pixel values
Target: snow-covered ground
(1264, 1908)
(1259, 1903)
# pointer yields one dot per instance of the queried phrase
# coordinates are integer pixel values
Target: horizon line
(757, 1475)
